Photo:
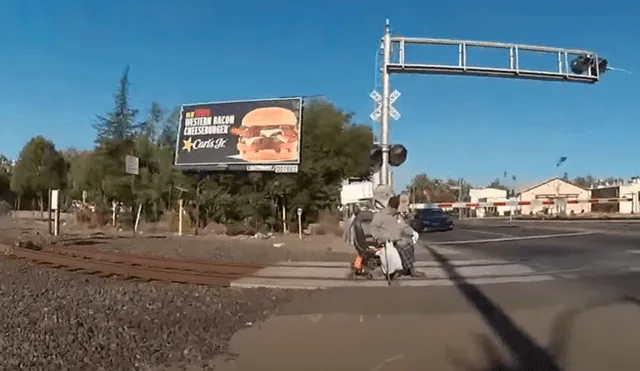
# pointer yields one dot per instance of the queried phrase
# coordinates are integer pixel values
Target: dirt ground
(260, 249)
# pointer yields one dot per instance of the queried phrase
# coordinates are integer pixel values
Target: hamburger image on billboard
(268, 134)
(239, 135)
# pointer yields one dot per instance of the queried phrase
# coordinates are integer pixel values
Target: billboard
(257, 135)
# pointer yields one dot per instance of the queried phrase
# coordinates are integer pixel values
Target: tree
(151, 127)
(118, 125)
(169, 131)
(116, 133)
(425, 189)
(40, 167)
(333, 148)
(6, 171)
(496, 184)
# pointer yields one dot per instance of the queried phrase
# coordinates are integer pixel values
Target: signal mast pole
(573, 65)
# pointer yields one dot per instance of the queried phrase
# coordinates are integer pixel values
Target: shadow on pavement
(526, 354)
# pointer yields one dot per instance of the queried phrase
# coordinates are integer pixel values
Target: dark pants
(407, 253)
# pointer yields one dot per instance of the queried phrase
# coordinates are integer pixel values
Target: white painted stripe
(310, 284)
(521, 238)
(494, 270)
(488, 232)
(432, 272)
(446, 250)
(427, 264)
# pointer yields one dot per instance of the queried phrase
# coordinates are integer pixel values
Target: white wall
(629, 191)
(491, 195)
(548, 191)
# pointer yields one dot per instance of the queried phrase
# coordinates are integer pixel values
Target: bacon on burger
(268, 134)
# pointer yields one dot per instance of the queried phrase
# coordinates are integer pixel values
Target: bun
(269, 116)
(288, 152)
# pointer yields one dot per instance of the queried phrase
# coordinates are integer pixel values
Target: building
(553, 189)
(488, 195)
(629, 189)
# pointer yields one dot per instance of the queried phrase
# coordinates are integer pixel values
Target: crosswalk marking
(425, 264)
(323, 275)
(312, 284)
(431, 270)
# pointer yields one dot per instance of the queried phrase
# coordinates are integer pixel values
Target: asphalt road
(605, 255)
(586, 318)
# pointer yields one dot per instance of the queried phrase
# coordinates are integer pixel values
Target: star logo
(187, 145)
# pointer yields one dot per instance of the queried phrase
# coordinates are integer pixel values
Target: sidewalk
(439, 329)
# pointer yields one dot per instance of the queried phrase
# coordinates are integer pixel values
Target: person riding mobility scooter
(383, 240)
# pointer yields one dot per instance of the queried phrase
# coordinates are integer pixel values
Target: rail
(129, 266)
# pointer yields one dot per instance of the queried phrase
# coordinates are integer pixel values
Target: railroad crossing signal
(377, 112)
(397, 155)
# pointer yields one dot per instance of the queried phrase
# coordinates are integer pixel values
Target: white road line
(520, 238)
(487, 232)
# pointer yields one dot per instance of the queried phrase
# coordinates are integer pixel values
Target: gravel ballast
(56, 320)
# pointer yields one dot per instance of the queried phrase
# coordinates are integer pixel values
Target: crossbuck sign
(377, 113)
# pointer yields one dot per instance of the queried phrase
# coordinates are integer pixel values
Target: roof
(530, 186)
(486, 188)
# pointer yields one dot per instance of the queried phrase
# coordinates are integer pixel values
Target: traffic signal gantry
(573, 65)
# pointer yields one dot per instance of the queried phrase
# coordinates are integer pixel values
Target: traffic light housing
(586, 63)
(397, 155)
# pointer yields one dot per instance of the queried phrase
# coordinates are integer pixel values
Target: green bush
(240, 229)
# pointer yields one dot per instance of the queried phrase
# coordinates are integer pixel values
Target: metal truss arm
(565, 60)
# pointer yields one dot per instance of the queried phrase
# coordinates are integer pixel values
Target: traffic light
(397, 155)
(587, 62)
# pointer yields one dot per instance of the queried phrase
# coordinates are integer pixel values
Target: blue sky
(60, 62)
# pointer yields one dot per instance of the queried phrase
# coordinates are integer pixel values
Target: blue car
(431, 220)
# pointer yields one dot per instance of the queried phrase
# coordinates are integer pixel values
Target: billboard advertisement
(257, 135)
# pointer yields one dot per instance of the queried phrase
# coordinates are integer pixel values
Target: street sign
(377, 112)
(131, 165)
(55, 197)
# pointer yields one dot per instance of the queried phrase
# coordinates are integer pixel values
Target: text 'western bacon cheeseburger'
(268, 134)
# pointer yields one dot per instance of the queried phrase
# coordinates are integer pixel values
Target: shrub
(173, 220)
(5, 208)
(239, 229)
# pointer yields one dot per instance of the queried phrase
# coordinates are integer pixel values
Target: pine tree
(118, 125)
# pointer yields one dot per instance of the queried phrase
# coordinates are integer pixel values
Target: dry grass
(328, 223)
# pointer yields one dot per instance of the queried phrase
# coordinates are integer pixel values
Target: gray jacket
(386, 226)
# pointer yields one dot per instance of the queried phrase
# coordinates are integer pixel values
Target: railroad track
(129, 266)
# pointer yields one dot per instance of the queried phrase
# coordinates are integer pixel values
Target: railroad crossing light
(584, 63)
(397, 155)
(375, 156)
